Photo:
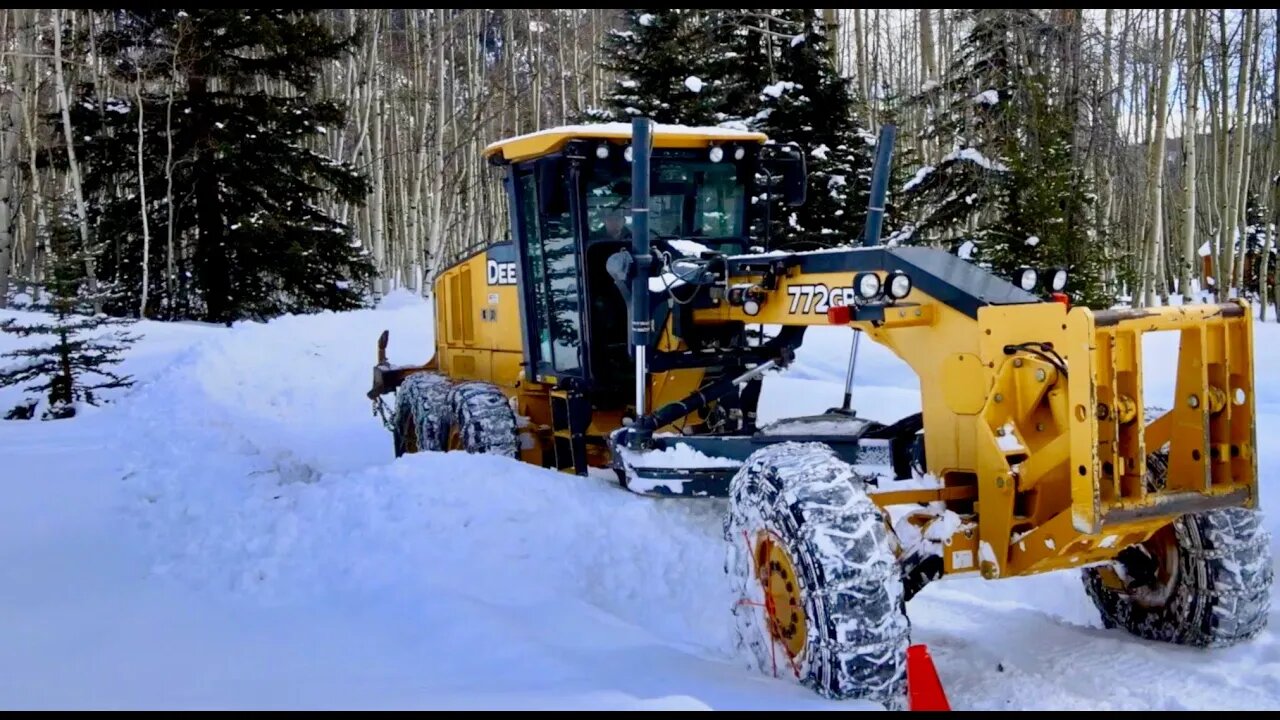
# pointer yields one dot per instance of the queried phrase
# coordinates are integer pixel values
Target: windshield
(690, 199)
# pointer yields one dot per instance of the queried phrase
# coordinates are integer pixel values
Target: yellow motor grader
(630, 320)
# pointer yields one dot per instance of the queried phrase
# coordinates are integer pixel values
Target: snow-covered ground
(235, 533)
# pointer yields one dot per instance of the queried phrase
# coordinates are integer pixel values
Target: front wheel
(820, 593)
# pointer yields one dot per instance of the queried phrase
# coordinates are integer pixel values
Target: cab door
(551, 263)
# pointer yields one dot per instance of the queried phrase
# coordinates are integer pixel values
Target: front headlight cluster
(868, 286)
(1028, 278)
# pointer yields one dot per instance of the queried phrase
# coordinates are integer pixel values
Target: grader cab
(629, 323)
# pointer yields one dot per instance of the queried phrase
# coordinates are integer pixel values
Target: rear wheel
(1203, 580)
(422, 413)
(820, 594)
(483, 420)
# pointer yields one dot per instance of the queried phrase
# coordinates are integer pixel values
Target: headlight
(1027, 279)
(1059, 280)
(899, 285)
(602, 151)
(751, 307)
(868, 285)
(627, 153)
(717, 154)
(739, 153)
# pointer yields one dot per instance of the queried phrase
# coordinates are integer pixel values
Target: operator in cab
(615, 225)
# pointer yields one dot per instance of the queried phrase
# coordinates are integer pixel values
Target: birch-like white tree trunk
(1249, 60)
(1190, 254)
(1231, 215)
(377, 211)
(1265, 261)
(82, 213)
(142, 204)
(1156, 168)
(10, 189)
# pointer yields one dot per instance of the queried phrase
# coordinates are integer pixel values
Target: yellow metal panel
(1189, 436)
(532, 145)
(963, 395)
(1081, 343)
(479, 320)
(467, 306)
(454, 299)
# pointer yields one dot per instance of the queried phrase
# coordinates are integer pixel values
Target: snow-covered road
(235, 533)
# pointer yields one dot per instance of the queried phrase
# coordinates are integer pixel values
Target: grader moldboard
(583, 343)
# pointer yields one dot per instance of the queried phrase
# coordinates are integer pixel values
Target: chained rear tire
(819, 592)
(1204, 581)
(421, 420)
(484, 420)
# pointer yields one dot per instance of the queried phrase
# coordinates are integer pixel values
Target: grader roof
(543, 142)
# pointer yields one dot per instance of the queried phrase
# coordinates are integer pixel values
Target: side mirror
(553, 195)
(785, 166)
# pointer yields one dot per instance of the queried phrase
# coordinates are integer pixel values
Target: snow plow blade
(1208, 432)
(702, 466)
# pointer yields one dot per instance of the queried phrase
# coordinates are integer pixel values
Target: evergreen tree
(1255, 237)
(1007, 194)
(663, 60)
(75, 362)
(743, 60)
(253, 239)
(809, 104)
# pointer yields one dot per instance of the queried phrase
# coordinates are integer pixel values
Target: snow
(825, 427)
(944, 527)
(679, 456)
(796, 40)
(918, 178)
(694, 83)
(972, 155)
(986, 554)
(689, 247)
(664, 282)
(1033, 241)
(1205, 250)
(986, 97)
(776, 89)
(234, 533)
(820, 152)
(646, 19)
(1007, 439)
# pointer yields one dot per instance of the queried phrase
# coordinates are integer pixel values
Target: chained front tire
(421, 420)
(483, 420)
(819, 594)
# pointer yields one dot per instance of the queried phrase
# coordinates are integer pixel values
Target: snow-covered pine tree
(252, 236)
(1255, 236)
(1006, 193)
(74, 360)
(663, 60)
(808, 103)
(743, 60)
